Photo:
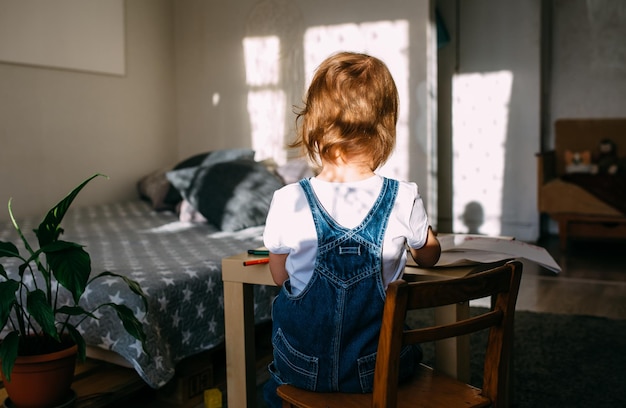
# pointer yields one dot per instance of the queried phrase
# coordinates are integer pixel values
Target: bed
(175, 255)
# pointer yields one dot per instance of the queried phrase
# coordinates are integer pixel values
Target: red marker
(256, 261)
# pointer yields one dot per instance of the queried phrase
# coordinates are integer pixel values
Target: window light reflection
(271, 113)
(266, 102)
(387, 40)
(480, 111)
(262, 60)
(267, 110)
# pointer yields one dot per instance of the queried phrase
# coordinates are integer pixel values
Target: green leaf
(7, 299)
(49, 229)
(132, 285)
(132, 325)
(37, 305)
(34, 257)
(79, 340)
(8, 352)
(75, 311)
(3, 272)
(25, 266)
(8, 250)
(71, 266)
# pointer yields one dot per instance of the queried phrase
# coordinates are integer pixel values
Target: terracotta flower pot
(43, 380)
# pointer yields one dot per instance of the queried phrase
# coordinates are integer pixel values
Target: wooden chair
(429, 388)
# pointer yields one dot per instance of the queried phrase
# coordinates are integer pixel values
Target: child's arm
(428, 255)
(277, 268)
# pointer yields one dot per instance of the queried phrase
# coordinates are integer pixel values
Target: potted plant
(33, 321)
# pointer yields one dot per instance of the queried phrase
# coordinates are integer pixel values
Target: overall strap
(379, 214)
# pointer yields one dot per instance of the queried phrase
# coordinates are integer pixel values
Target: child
(337, 240)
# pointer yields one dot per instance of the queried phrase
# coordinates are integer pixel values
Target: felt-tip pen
(256, 261)
(258, 252)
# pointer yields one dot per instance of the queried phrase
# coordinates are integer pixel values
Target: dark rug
(565, 361)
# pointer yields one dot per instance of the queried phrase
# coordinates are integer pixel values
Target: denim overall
(325, 338)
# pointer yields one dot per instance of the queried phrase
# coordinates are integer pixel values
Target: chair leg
(563, 226)
(510, 389)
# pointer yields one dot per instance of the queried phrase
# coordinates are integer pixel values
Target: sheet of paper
(460, 249)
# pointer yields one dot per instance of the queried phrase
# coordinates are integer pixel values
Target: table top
(233, 270)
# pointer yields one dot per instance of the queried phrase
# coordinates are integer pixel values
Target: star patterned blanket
(178, 265)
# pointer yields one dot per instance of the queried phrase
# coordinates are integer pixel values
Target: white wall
(567, 59)
(492, 77)
(588, 65)
(211, 78)
(57, 127)
(184, 92)
(502, 38)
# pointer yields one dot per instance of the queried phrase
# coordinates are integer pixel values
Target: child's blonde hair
(351, 109)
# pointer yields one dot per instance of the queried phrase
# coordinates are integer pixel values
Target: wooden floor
(593, 280)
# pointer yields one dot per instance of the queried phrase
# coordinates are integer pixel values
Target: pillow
(157, 189)
(186, 213)
(173, 197)
(154, 187)
(231, 195)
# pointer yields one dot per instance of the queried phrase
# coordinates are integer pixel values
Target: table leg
(240, 349)
(452, 356)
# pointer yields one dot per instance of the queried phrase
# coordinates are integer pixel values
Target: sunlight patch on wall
(480, 112)
(261, 54)
(269, 109)
(387, 40)
(266, 101)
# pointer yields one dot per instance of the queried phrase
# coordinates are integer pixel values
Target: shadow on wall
(473, 217)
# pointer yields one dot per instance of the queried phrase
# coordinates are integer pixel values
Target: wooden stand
(589, 226)
(98, 384)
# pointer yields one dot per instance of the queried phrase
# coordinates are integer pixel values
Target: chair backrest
(500, 283)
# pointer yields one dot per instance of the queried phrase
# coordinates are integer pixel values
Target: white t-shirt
(290, 229)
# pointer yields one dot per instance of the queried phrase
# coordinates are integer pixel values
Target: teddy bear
(606, 160)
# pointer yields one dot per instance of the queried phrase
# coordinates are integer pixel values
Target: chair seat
(427, 389)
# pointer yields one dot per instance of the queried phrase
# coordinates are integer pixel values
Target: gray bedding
(178, 266)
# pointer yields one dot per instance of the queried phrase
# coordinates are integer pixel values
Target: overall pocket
(366, 365)
(410, 356)
(293, 366)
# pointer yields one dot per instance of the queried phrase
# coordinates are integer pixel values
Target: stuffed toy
(606, 160)
(577, 162)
